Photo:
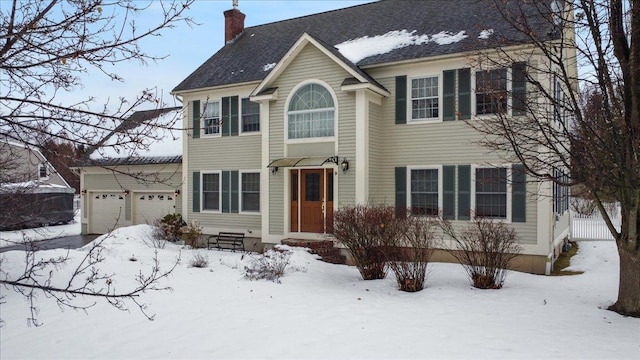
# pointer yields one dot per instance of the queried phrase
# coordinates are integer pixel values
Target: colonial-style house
(292, 120)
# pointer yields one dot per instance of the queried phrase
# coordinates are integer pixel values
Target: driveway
(66, 242)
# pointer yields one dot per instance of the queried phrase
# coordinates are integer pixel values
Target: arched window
(311, 113)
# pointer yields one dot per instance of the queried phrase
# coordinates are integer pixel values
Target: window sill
(210, 211)
(311, 140)
(424, 121)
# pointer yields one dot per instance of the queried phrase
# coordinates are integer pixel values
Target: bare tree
(46, 47)
(585, 122)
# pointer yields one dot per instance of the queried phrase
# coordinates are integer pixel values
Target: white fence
(593, 227)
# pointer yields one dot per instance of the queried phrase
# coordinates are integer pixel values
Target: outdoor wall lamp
(344, 165)
(176, 192)
(274, 170)
(83, 192)
(126, 191)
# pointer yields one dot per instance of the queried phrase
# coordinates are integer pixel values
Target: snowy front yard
(326, 311)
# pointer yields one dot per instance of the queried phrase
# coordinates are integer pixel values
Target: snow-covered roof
(372, 34)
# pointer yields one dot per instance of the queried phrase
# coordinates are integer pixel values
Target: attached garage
(123, 192)
(151, 206)
(107, 211)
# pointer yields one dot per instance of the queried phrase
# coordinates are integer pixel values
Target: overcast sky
(188, 47)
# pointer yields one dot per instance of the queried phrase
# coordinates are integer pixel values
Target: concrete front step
(324, 248)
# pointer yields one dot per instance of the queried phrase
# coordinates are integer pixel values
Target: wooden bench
(226, 240)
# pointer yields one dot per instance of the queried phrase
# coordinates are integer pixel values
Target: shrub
(191, 233)
(409, 256)
(199, 260)
(270, 265)
(366, 230)
(485, 248)
(170, 227)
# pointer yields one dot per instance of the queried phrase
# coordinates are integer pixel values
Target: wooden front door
(311, 200)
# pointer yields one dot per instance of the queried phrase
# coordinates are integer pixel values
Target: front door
(311, 200)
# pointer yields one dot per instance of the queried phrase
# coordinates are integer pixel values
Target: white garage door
(107, 211)
(151, 206)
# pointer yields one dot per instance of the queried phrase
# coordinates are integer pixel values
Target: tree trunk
(628, 302)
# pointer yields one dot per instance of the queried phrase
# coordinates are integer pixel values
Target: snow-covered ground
(325, 311)
(8, 238)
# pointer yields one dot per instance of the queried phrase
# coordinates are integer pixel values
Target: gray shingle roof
(244, 59)
(137, 160)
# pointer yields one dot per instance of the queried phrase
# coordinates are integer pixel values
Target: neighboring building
(123, 191)
(32, 192)
(21, 164)
(294, 119)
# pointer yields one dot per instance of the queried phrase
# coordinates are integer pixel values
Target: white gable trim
(293, 52)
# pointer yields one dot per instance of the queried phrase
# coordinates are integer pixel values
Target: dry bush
(200, 260)
(366, 230)
(485, 248)
(409, 256)
(270, 265)
(191, 233)
(583, 207)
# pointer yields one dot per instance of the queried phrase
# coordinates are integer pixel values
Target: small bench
(226, 240)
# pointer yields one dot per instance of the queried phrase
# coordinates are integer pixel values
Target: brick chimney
(233, 23)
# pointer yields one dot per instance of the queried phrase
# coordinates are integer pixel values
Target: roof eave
(304, 39)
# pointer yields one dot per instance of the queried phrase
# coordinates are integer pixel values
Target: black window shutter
(464, 93)
(519, 193)
(449, 191)
(401, 191)
(234, 178)
(401, 99)
(519, 88)
(225, 116)
(464, 192)
(448, 95)
(233, 116)
(195, 117)
(226, 190)
(196, 191)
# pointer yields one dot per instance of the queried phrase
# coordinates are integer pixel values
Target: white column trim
(362, 147)
(185, 163)
(264, 171)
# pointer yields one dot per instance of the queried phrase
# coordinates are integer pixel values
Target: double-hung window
(491, 192)
(311, 113)
(211, 118)
(491, 91)
(424, 98)
(250, 189)
(250, 116)
(211, 191)
(424, 192)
